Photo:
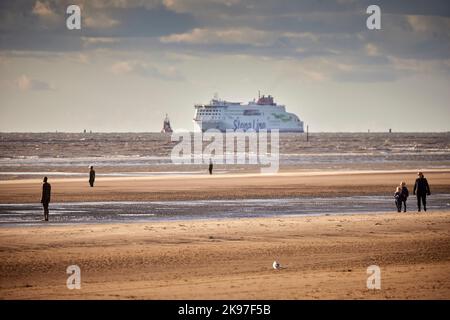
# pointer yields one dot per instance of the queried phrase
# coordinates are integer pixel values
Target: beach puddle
(127, 211)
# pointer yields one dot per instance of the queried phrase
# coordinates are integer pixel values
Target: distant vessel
(262, 114)
(166, 125)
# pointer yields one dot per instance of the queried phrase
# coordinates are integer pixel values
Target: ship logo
(282, 117)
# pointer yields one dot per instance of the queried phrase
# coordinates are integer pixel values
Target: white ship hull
(261, 115)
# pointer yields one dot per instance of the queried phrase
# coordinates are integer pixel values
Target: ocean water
(123, 211)
(24, 155)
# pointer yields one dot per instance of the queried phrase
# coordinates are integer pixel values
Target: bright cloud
(42, 9)
(371, 49)
(99, 40)
(146, 70)
(429, 24)
(100, 21)
(123, 67)
(45, 12)
(222, 36)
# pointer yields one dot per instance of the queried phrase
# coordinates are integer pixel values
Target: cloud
(42, 9)
(40, 25)
(314, 75)
(101, 21)
(285, 29)
(371, 50)
(122, 67)
(25, 83)
(101, 41)
(82, 58)
(169, 73)
(413, 37)
(46, 13)
(123, 4)
(222, 36)
(201, 7)
(432, 24)
(429, 68)
(295, 7)
(4, 60)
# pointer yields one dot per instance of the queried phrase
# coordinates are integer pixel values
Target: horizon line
(175, 131)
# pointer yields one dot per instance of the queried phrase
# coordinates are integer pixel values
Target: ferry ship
(263, 114)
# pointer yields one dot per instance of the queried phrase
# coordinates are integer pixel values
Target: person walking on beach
(398, 199)
(92, 176)
(45, 200)
(404, 195)
(422, 190)
(210, 168)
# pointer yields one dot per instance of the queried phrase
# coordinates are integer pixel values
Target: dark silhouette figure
(92, 176)
(422, 190)
(398, 199)
(210, 168)
(404, 195)
(45, 200)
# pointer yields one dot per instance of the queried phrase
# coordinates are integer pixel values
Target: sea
(31, 155)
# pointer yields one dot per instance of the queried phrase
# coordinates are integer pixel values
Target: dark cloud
(138, 22)
(286, 29)
(439, 8)
(22, 27)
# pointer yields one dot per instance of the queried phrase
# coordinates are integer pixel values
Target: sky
(134, 61)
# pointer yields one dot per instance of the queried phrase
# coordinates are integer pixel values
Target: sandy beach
(227, 186)
(324, 258)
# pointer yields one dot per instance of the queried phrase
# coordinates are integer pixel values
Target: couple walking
(421, 190)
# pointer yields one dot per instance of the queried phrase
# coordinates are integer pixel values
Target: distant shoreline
(175, 130)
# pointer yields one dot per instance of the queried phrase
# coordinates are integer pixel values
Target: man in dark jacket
(45, 200)
(92, 176)
(421, 189)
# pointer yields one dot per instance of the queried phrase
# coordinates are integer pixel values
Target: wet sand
(224, 186)
(324, 258)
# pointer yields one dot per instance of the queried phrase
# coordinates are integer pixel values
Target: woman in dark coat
(422, 190)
